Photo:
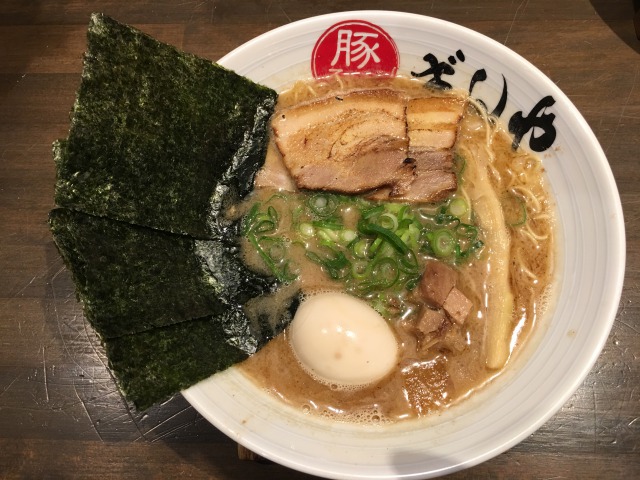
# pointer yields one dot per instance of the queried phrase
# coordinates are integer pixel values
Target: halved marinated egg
(342, 341)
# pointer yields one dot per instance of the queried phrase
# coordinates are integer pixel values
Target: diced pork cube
(430, 321)
(436, 283)
(457, 306)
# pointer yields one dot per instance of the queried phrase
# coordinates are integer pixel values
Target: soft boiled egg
(342, 341)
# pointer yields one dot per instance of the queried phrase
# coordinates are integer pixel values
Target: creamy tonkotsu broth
(505, 277)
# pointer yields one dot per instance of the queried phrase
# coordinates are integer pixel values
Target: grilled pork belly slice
(425, 187)
(375, 141)
(347, 143)
(432, 127)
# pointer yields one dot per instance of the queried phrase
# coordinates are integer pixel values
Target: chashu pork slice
(350, 143)
(432, 186)
(432, 130)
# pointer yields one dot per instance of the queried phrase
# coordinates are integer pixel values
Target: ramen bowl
(589, 264)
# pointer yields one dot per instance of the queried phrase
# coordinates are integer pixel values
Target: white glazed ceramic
(561, 352)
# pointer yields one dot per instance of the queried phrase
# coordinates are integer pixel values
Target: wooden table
(61, 415)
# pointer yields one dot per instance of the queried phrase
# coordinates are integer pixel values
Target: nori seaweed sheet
(161, 142)
(159, 137)
(153, 365)
(142, 290)
(132, 279)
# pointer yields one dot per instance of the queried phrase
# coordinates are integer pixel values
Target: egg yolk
(341, 340)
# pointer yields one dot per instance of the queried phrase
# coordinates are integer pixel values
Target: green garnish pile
(376, 250)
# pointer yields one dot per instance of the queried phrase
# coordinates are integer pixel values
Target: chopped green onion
(361, 248)
(388, 220)
(375, 246)
(515, 210)
(382, 256)
(273, 214)
(371, 212)
(442, 242)
(247, 221)
(459, 165)
(322, 204)
(264, 226)
(359, 270)
(331, 223)
(409, 262)
(393, 207)
(307, 230)
(281, 272)
(458, 207)
(276, 250)
(384, 273)
(373, 229)
(279, 195)
(348, 235)
(464, 230)
(328, 236)
(335, 266)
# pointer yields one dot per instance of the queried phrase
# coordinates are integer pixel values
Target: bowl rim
(616, 235)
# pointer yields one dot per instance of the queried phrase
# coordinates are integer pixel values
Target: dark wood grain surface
(61, 415)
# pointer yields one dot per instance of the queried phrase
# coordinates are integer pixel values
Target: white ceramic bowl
(561, 352)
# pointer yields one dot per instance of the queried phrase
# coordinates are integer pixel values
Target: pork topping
(438, 290)
(374, 141)
(351, 143)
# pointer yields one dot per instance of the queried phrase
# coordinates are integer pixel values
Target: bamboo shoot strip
(159, 137)
(499, 302)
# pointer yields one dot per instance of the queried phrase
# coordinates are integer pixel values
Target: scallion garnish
(376, 252)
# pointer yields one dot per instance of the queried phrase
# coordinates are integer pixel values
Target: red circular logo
(354, 47)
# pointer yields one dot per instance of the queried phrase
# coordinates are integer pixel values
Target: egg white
(342, 341)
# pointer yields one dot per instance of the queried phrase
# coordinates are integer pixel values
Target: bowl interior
(559, 354)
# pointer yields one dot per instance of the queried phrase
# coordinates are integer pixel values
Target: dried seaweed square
(132, 279)
(159, 137)
(161, 143)
(154, 365)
